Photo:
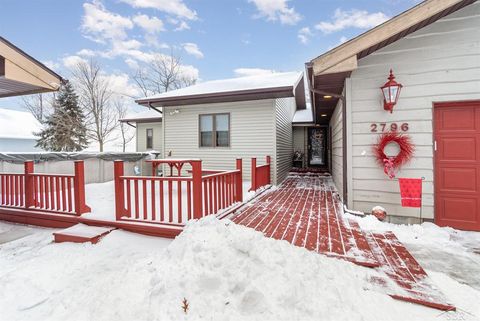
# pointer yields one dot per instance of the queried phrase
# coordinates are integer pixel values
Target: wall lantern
(391, 92)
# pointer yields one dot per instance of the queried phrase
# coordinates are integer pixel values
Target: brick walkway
(306, 211)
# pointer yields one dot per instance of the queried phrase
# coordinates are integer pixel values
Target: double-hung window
(214, 130)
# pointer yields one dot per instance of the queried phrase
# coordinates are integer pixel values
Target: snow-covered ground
(224, 271)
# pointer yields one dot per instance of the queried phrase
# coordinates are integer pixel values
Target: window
(149, 138)
(214, 130)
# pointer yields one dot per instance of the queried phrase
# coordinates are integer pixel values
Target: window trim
(146, 138)
(214, 130)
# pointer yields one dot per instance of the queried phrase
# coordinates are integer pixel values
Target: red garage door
(457, 165)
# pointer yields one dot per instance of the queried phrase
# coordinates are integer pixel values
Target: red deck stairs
(82, 233)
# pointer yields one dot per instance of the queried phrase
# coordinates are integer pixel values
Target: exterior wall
(252, 134)
(336, 159)
(284, 111)
(300, 142)
(440, 62)
(141, 135)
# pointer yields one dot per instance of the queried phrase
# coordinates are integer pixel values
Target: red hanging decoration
(392, 163)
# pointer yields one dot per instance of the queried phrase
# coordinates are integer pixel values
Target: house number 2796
(382, 127)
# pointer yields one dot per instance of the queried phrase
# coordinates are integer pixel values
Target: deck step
(82, 233)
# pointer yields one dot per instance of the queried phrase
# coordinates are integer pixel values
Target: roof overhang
(328, 71)
(21, 74)
(220, 97)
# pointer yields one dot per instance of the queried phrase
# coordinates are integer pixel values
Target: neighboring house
(17, 130)
(148, 130)
(434, 51)
(219, 121)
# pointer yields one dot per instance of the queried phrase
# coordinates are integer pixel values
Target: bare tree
(163, 73)
(95, 95)
(125, 130)
(39, 105)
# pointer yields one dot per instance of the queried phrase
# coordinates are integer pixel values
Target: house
(148, 130)
(434, 52)
(219, 121)
(15, 138)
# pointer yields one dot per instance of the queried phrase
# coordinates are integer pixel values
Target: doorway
(457, 164)
(317, 147)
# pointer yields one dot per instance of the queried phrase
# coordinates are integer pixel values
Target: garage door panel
(458, 148)
(459, 209)
(455, 179)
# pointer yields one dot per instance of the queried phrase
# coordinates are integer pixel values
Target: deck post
(79, 188)
(119, 190)
(269, 160)
(29, 190)
(197, 188)
(254, 174)
(239, 182)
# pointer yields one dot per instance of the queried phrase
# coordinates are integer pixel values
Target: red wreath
(392, 163)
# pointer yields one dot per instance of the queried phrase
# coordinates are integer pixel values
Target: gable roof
(344, 57)
(275, 85)
(18, 124)
(21, 74)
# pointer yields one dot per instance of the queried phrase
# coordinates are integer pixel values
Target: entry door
(457, 165)
(317, 147)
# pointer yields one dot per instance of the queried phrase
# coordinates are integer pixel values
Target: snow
(18, 124)
(234, 84)
(225, 272)
(147, 114)
(85, 230)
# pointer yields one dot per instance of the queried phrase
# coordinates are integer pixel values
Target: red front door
(457, 164)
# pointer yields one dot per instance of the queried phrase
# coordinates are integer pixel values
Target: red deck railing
(260, 174)
(176, 199)
(57, 193)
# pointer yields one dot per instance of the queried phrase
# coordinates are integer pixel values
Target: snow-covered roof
(143, 116)
(18, 124)
(303, 116)
(232, 85)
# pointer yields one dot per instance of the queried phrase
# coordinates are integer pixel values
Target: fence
(176, 199)
(57, 193)
(260, 174)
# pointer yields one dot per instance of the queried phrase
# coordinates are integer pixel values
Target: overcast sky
(216, 39)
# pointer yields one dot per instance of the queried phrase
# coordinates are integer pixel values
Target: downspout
(309, 65)
(154, 108)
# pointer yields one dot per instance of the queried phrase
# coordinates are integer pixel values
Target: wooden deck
(306, 211)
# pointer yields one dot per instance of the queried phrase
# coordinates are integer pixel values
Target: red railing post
(269, 160)
(197, 188)
(29, 191)
(253, 174)
(120, 210)
(239, 182)
(79, 188)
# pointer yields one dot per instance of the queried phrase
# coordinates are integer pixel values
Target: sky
(215, 39)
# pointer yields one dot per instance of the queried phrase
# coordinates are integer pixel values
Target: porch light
(323, 115)
(391, 92)
(327, 97)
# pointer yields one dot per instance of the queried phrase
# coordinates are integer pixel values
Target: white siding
(440, 62)
(285, 109)
(141, 135)
(252, 134)
(336, 127)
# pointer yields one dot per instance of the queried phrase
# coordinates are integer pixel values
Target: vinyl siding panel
(252, 134)
(141, 135)
(440, 62)
(336, 126)
(284, 111)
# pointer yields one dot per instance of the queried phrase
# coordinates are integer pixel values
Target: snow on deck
(306, 211)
